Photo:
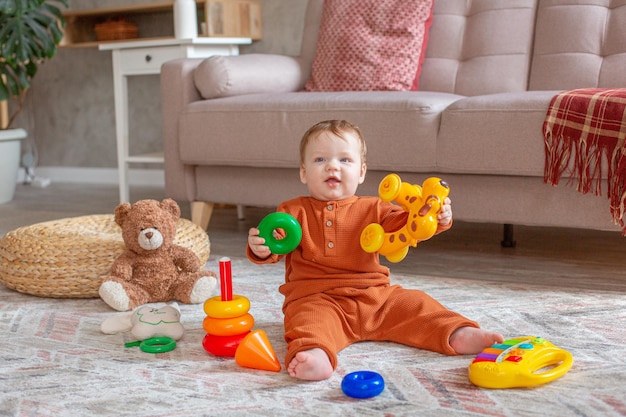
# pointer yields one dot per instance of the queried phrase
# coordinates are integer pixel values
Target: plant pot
(10, 146)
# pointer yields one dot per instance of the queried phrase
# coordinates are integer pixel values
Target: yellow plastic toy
(520, 362)
(422, 203)
(226, 309)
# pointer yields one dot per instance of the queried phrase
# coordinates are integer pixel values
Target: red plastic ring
(222, 345)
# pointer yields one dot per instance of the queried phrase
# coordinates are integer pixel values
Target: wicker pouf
(67, 258)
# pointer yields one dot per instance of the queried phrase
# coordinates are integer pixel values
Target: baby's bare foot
(471, 340)
(311, 365)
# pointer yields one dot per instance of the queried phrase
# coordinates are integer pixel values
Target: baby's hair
(336, 127)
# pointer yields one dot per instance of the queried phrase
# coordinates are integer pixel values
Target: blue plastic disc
(363, 384)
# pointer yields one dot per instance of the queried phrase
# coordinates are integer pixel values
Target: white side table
(144, 57)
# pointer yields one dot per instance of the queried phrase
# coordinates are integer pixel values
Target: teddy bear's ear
(170, 205)
(120, 212)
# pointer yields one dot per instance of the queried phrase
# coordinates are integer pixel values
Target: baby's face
(332, 168)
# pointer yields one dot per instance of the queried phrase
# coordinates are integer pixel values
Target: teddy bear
(152, 268)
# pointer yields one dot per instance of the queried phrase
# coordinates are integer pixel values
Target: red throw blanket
(582, 129)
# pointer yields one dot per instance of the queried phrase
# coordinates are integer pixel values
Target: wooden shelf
(80, 24)
(96, 44)
(155, 20)
(165, 6)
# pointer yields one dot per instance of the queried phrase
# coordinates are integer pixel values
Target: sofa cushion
(366, 45)
(498, 134)
(223, 76)
(400, 127)
(479, 47)
(565, 60)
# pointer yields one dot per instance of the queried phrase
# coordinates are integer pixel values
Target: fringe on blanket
(584, 130)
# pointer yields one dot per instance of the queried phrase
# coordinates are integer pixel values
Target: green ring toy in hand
(283, 221)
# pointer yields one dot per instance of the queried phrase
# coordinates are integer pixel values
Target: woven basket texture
(68, 258)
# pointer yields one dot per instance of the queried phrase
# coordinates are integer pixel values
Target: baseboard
(78, 175)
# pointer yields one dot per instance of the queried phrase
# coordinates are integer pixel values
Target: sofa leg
(201, 213)
(508, 241)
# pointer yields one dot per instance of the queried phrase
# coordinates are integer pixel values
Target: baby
(337, 294)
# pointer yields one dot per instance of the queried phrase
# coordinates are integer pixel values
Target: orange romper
(337, 294)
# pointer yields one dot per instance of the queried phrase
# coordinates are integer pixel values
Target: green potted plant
(30, 31)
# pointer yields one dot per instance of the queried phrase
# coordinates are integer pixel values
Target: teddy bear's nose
(149, 235)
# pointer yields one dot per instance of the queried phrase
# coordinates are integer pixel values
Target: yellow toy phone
(520, 362)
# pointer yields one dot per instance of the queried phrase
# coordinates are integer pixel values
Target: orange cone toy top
(255, 351)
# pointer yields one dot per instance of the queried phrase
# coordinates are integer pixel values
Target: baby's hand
(257, 244)
(445, 214)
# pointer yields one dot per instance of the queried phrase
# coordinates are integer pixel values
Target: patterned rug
(55, 361)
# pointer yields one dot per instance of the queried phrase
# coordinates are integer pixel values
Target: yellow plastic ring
(228, 327)
(218, 309)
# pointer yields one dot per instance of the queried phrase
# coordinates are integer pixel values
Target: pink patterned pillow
(366, 45)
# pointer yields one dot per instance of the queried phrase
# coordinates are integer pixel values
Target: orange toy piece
(421, 202)
(255, 351)
(228, 327)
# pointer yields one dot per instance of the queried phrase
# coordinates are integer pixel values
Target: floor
(552, 256)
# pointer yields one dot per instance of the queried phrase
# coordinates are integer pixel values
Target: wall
(69, 111)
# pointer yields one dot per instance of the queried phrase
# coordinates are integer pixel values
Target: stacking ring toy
(362, 384)
(223, 345)
(216, 308)
(283, 221)
(228, 327)
(154, 344)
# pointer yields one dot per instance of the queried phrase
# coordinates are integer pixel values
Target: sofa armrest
(177, 91)
(224, 76)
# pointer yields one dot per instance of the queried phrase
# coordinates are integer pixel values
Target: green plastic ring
(283, 221)
(158, 345)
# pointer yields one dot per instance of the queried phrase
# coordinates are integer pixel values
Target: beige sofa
(232, 124)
